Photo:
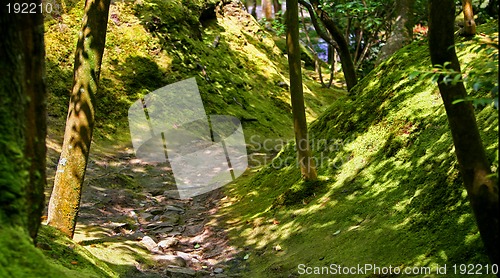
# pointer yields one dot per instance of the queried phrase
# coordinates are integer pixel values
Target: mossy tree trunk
(22, 118)
(342, 44)
(469, 23)
(402, 30)
(65, 199)
(305, 159)
(481, 186)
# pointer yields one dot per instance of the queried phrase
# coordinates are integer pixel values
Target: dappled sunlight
(395, 196)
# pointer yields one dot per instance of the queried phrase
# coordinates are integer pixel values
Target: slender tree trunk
(343, 47)
(402, 30)
(317, 62)
(469, 23)
(306, 161)
(65, 199)
(482, 188)
(254, 9)
(337, 41)
(22, 118)
(359, 40)
(277, 6)
(36, 125)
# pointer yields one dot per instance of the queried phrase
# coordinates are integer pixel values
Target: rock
(149, 243)
(156, 191)
(167, 243)
(170, 260)
(187, 257)
(172, 218)
(174, 208)
(193, 230)
(146, 216)
(218, 270)
(180, 272)
(155, 210)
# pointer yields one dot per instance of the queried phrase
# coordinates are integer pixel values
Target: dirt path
(131, 218)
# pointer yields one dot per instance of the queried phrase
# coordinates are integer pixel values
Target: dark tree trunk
(306, 161)
(343, 46)
(254, 9)
(277, 6)
(482, 188)
(22, 118)
(402, 30)
(65, 199)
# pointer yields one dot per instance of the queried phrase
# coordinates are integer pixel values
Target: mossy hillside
(56, 256)
(389, 191)
(154, 43)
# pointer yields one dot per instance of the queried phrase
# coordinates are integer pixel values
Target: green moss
(391, 193)
(70, 258)
(55, 256)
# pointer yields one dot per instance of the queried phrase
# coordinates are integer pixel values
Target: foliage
(481, 73)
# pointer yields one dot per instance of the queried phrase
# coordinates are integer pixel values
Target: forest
(249, 138)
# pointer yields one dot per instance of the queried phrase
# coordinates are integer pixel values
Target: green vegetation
(154, 43)
(56, 256)
(389, 192)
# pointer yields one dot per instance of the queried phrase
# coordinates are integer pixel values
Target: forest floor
(131, 218)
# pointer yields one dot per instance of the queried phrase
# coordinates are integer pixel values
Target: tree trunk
(65, 199)
(22, 114)
(402, 30)
(482, 188)
(267, 9)
(306, 161)
(277, 6)
(469, 23)
(343, 47)
(317, 62)
(254, 9)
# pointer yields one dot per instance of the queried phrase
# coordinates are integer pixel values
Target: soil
(130, 216)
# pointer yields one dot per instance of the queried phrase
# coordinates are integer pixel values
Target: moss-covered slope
(389, 192)
(55, 256)
(153, 43)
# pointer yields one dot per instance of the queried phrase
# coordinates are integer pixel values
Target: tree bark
(36, 124)
(343, 46)
(267, 9)
(65, 199)
(305, 159)
(254, 9)
(469, 23)
(22, 114)
(277, 6)
(482, 188)
(402, 30)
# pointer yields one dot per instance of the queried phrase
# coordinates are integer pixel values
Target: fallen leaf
(74, 262)
(246, 257)
(336, 233)
(277, 248)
